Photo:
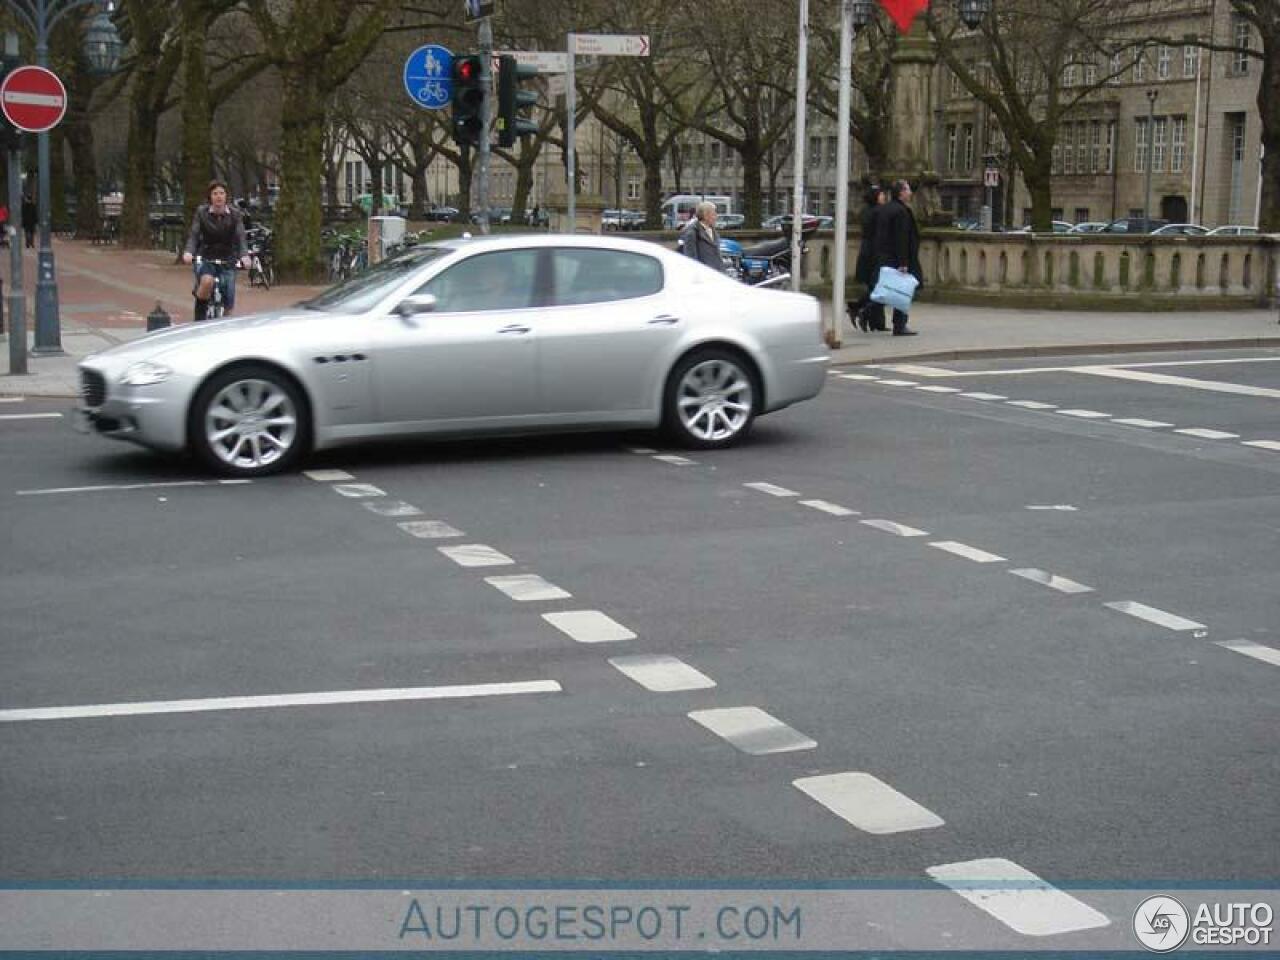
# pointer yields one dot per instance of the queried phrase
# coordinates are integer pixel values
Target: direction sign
(428, 76)
(33, 99)
(609, 44)
(477, 9)
(543, 61)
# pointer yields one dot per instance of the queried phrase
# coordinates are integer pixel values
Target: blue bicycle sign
(428, 76)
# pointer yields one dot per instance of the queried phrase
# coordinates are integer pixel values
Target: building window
(1068, 150)
(815, 151)
(1056, 166)
(1095, 146)
(1241, 38)
(1140, 145)
(1164, 64)
(832, 149)
(951, 146)
(1178, 144)
(715, 152)
(1090, 74)
(1235, 123)
(1158, 144)
(1111, 147)
(1082, 147)
(1140, 67)
(633, 189)
(1082, 214)
(1069, 75)
(968, 146)
(955, 84)
(1117, 68)
(1190, 60)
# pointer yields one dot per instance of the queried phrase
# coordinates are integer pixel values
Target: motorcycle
(768, 262)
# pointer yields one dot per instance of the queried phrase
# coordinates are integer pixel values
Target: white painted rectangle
(1206, 434)
(30, 416)
(900, 529)
(528, 586)
(772, 489)
(1263, 444)
(476, 555)
(868, 803)
(13, 399)
(897, 383)
(752, 730)
(327, 476)
(642, 451)
(325, 698)
(589, 626)
(1017, 897)
(1053, 581)
(857, 376)
(1140, 422)
(674, 460)
(832, 508)
(429, 529)
(1033, 405)
(1086, 414)
(661, 673)
(357, 490)
(392, 508)
(934, 388)
(1250, 649)
(1160, 618)
(979, 395)
(966, 551)
(1060, 507)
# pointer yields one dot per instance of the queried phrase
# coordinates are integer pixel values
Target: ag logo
(1161, 924)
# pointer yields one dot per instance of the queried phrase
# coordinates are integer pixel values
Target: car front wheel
(711, 399)
(248, 422)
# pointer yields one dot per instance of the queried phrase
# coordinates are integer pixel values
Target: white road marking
(1139, 422)
(13, 399)
(1017, 897)
(857, 376)
(1032, 405)
(897, 383)
(1250, 649)
(772, 489)
(966, 551)
(674, 460)
(589, 626)
(832, 508)
(1207, 434)
(1064, 507)
(357, 490)
(902, 530)
(642, 451)
(1263, 444)
(429, 529)
(916, 370)
(476, 555)
(979, 395)
(325, 698)
(30, 416)
(528, 586)
(392, 508)
(868, 803)
(1160, 618)
(1086, 367)
(934, 388)
(752, 730)
(1051, 580)
(1164, 379)
(661, 673)
(1086, 414)
(327, 476)
(133, 486)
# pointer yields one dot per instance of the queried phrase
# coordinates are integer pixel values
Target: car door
(605, 335)
(471, 360)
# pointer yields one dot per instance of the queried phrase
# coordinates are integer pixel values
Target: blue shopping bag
(895, 289)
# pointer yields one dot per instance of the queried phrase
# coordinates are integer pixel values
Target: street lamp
(1151, 154)
(102, 44)
(972, 12)
(860, 13)
(41, 16)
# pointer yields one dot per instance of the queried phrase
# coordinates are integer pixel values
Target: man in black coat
(897, 244)
(863, 312)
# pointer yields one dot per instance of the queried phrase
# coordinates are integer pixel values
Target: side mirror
(416, 304)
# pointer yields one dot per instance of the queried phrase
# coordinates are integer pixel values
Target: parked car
(731, 221)
(774, 222)
(1059, 226)
(1233, 231)
(443, 214)
(1134, 225)
(967, 223)
(526, 332)
(1180, 229)
(1089, 226)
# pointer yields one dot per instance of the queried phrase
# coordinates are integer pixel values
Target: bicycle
(262, 269)
(216, 308)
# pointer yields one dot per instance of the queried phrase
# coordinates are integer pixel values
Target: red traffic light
(466, 69)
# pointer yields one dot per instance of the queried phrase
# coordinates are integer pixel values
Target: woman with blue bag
(897, 246)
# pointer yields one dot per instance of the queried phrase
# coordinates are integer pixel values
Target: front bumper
(153, 416)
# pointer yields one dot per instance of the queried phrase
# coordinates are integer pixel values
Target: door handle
(514, 328)
(664, 320)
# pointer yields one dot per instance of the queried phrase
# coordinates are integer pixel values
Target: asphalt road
(1085, 742)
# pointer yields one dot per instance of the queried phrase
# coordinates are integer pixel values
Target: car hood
(163, 342)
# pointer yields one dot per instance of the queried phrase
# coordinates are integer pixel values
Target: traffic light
(468, 101)
(511, 100)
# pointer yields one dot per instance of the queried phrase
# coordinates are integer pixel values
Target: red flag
(904, 12)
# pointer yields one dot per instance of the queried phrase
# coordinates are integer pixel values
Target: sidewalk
(105, 294)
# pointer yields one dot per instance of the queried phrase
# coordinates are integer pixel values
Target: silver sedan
(486, 335)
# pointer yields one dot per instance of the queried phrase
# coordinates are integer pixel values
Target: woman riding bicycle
(217, 234)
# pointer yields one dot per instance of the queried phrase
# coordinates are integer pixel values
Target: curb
(1073, 349)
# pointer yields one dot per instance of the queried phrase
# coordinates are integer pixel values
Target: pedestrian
(699, 239)
(217, 233)
(4, 225)
(30, 217)
(897, 244)
(864, 312)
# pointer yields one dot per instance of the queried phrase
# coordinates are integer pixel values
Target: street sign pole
(486, 122)
(842, 171)
(802, 69)
(16, 298)
(570, 138)
(48, 339)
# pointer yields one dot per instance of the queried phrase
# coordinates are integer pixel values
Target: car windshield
(364, 290)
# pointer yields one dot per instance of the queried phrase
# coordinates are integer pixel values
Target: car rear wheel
(248, 422)
(711, 399)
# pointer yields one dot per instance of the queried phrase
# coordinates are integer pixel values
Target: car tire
(711, 399)
(249, 421)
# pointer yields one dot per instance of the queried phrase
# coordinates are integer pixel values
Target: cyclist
(217, 233)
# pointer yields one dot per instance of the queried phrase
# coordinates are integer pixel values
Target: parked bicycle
(262, 269)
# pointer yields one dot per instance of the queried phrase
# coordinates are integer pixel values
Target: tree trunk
(752, 157)
(418, 176)
(140, 169)
(84, 171)
(652, 190)
(463, 164)
(1038, 177)
(298, 215)
(1269, 110)
(197, 111)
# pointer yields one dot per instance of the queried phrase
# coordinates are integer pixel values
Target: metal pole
(48, 339)
(1195, 141)
(16, 297)
(486, 118)
(570, 135)
(797, 193)
(1151, 155)
(842, 171)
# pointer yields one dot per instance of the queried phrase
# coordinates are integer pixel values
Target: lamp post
(972, 12)
(103, 50)
(1151, 155)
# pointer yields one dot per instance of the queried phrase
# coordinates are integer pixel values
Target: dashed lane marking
(1086, 414)
(1206, 434)
(1033, 405)
(589, 626)
(660, 673)
(134, 486)
(674, 460)
(1263, 444)
(752, 730)
(966, 551)
(1161, 618)
(1214, 386)
(979, 395)
(13, 399)
(1051, 580)
(832, 508)
(771, 488)
(392, 508)
(328, 476)
(868, 803)
(642, 451)
(900, 529)
(1139, 422)
(857, 376)
(897, 383)
(325, 698)
(1250, 649)
(1064, 507)
(30, 416)
(1017, 897)
(357, 490)
(476, 555)
(528, 587)
(934, 388)
(429, 529)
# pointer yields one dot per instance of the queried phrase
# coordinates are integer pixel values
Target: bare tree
(871, 78)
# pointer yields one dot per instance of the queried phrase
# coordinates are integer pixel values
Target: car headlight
(145, 373)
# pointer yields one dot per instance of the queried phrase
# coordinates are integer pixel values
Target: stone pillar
(911, 133)
(588, 209)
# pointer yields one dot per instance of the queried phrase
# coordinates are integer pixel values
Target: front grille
(93, 388)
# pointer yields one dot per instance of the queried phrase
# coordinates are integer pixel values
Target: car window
(363, 291)
(504, 280)
(595, 276)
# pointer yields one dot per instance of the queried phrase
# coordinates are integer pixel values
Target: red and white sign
(33, 99)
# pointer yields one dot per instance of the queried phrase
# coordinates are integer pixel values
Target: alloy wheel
(714, 400)
(251, 424)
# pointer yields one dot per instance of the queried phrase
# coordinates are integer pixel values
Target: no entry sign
(33, 99)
